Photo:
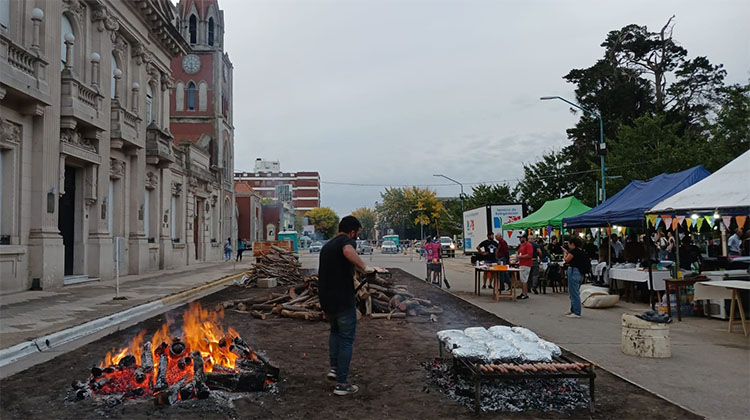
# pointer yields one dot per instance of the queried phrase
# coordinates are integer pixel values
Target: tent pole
(651, 299)
(677, 253)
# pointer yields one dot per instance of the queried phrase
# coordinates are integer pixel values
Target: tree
(367, 218)
(409, 210)
(485, 195)
(325, 220)
(546, 179)
(730, 133)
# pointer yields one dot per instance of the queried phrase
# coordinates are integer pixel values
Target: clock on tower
(191, 64)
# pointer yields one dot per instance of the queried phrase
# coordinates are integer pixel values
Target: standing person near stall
(578, 265)
(240, 249)
(525, 254)
(338, 259)
(534, 274)
(487, 249)
(432, 250)
(735, 243)
(503, 257)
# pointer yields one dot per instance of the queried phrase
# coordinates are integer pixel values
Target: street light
(602, 145)
(461, 196)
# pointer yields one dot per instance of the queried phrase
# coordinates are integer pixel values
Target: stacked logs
(276, 263)
(379, 298)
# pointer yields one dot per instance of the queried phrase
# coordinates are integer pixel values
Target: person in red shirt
(432, 249)
(525, 256)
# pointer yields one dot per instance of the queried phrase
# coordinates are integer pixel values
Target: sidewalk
(30, 315)
(708, 372)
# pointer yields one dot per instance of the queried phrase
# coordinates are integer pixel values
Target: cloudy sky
(385, 92)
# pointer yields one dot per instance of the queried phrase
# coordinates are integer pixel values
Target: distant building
(301, 189)
(249, 214)
(277, 217)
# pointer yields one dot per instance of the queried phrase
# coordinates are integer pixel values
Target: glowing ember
(134, 370)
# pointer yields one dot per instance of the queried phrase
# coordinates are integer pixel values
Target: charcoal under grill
(471, 369)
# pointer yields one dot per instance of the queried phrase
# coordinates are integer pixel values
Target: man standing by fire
(338, 258)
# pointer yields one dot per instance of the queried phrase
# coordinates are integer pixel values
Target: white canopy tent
(726, 190)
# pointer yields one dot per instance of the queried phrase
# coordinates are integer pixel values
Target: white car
(389, 247)
(447, 247)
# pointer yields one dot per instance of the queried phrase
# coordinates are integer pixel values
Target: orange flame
(202, 330)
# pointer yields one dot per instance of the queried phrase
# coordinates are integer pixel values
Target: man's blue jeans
(504, 275)
(341, 341)
(574, 286)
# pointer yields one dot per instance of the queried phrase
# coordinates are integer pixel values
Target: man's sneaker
(484, 286)
(573, 316)
(523, 296)
(345, 389)
(331, 374)
(567, 313)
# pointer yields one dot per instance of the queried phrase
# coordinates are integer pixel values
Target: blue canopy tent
(627, 207)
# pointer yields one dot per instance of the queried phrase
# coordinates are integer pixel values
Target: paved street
(707, 373)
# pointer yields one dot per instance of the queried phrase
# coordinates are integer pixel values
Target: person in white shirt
(617, 246)
(735, 242)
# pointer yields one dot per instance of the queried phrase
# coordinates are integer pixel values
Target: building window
(193, 29)
(5, 14)
(65, 28)
(174, 220)
(146, 214)
(111, 207)
(210, 31)
(191, 96)
(114, 79)
(149, 103)
(179, 96)
(202, 96)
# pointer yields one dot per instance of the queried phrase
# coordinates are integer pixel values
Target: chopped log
(429, 311)
(127, 361)
(147, 358)
(280, 299)
(398, 291)
(388, 315)
(380, 306)
(262, 307)
(276, 308)
(410, 304)
(187, 392)
(161, 375)
(395, 301)
(177, 348)
(302, 297)
(292, 293)
(423, 302)
(258, 314)
(241, 307)
(307, 315)
(378, 288)
(294, 308)
(411, 312)
(368, 306)
(170, 395)
(240, 348)
(236, 382)
(198, 373)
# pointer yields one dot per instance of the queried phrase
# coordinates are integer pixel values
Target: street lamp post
(461, 196)
(602, 145)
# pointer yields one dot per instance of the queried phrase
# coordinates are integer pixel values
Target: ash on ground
(564, 394)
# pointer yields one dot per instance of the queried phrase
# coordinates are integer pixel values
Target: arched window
(65, 28)
(210, 31)
(179, 96)
(191, 96)
(193, 27)
(149, 104)
(202, 96)
(5, 13)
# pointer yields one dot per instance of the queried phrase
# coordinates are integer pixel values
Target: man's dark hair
(490, 235)
(348, 224)
(575, 241)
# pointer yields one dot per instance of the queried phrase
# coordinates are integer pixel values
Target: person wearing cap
(487, 249)
(525, 255)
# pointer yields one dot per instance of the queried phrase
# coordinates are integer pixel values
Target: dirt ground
(386, 366)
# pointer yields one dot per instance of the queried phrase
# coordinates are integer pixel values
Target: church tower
(202, 124)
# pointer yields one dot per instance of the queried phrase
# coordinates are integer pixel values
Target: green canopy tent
(550, 214)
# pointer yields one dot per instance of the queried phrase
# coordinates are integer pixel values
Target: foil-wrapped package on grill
(499, 330)
(472, 352)
(478, 334)
(501, 350)
(549, 346)
(526, 333)
(451, 337)
(531, 352)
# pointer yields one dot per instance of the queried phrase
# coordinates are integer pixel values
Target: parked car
(447, 247)
(315, 247)
(389, 247)
(364, 247)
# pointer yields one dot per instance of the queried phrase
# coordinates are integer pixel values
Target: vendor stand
(495, 271)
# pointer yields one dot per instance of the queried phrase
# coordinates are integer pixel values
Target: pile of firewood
(379, 298)
(277, 263)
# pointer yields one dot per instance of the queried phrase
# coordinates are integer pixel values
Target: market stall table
(495, 272)
(678, 284)
(730, 285)
(640, 275)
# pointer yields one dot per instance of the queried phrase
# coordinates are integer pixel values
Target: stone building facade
(90, 172)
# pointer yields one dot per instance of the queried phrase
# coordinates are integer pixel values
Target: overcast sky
(391, 92)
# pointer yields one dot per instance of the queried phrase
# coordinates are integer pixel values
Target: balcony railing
(23, 70)
(80, 101)
(125, 128)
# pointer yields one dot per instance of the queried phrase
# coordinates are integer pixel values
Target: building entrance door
(66, 218)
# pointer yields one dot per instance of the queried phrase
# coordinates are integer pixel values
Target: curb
(19, 351)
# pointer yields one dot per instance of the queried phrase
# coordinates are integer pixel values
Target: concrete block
(267, 283)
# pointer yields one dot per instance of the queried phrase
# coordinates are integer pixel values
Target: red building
(250, 225)
(302, 189)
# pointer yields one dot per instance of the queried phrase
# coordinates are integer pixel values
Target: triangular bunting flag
(652, 219)
(609, 230)
(699, 222)
(740, 221)
(667, 221)
(675, 223)
(510, 233)
(689, 222)
(727, 221)
(709, 219)
(656, 223)
(680, 219)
